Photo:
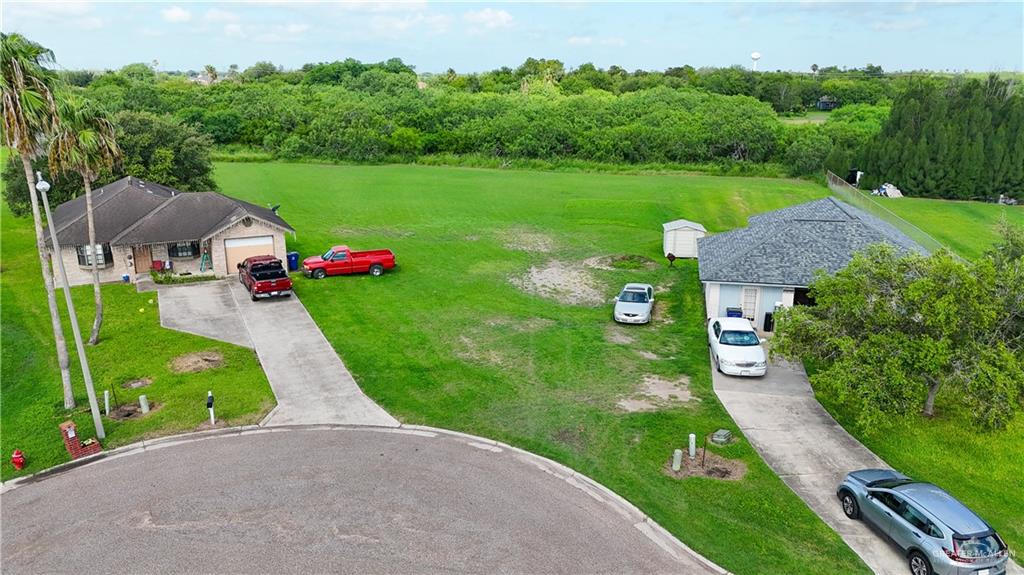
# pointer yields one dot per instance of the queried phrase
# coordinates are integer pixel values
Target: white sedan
(634, 304)
(735, 347)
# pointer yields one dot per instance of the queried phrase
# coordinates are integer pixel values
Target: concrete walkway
(320, 500)
(310, 381)
(808, 450)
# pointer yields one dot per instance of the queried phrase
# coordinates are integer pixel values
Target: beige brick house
(141, 226)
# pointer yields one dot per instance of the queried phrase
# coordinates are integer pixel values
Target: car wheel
(319, 274)
(919, 564)
(718, 364)
(850, 507)
(376, 270)
(253, 297)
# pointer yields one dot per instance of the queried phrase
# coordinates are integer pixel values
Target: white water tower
(755, 56)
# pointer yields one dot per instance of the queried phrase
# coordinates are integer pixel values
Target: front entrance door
(750, 303)
(143, 257)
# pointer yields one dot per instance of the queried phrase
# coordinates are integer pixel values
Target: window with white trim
(103, 255)
(183, 250)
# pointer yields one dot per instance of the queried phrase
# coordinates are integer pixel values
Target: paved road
(808, 449)
(310, 381)
(350, 500)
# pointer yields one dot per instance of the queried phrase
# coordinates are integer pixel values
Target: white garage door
(237, 249)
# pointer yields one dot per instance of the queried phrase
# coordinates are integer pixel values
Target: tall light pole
(94, 407)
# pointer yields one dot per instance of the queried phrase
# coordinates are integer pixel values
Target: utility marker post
(209, 405)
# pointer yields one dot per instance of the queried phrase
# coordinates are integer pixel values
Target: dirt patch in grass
(197, 361)
(656, 393)
(620, 262)
(469, 349)
(572, 438)
(660, 313)
(648, 355)
(617, 334)
(132, 411)
(566, 283)
(530, 325)
(137, 383)
(708, 464)
(372, 231)
(525, 240)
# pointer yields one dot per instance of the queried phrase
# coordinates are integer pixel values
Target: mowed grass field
(968, 228)
(132, 346)
(448, 339)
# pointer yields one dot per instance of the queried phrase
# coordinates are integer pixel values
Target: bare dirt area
(534, 324)
(197, 361)
(137, 383)
(566, 283)
(620, 262)
(348, 232)
(526, 240)
(132, 411)
(469, 349)
(656, 392)
(617, 334)
(660, 313)
(707, 464)
(648, 355)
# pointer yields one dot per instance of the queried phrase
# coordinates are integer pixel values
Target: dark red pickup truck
(341, 260)
(264, 276)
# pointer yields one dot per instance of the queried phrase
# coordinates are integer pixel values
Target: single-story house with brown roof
(141, 226)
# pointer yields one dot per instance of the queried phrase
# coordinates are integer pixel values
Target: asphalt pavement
(345, 500)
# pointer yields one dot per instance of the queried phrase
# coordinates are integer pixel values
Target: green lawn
(966, 227)
(811, 117)
(133, 346)
(447, 340)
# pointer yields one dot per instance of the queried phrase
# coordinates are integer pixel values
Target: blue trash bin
(293, 261)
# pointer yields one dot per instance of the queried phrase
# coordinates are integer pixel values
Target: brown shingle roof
(132, 211)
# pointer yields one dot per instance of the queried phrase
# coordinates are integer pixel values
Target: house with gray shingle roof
(750, 271)
(141, 226)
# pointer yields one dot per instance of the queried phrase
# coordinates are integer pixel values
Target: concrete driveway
(808, 449)
(344, 500)
(310, 381)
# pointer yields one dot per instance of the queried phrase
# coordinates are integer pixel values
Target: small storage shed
(681, 238)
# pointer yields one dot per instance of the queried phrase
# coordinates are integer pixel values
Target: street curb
(640, 521)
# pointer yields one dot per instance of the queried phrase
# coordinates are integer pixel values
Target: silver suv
(939, 534)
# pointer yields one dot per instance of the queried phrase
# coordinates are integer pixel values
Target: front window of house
(183, 250)
(102, 252)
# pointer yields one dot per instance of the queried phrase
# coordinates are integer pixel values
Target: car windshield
(739, 338)
(328, 255)
(979, 546)
(633, 297)
(269, 271)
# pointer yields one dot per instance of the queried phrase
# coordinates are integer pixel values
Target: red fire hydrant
(18, 459)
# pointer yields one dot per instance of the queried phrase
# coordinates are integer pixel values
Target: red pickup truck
(264, 276)
(341, 260)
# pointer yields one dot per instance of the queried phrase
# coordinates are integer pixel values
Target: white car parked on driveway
(634, 304)
(735, 347)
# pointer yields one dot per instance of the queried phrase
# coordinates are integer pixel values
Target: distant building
(827, 103)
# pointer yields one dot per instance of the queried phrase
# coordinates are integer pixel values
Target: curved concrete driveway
(310, 382)
(807, 449)
(350, 500)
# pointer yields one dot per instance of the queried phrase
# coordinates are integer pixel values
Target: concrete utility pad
(352, 500)
(205, 309)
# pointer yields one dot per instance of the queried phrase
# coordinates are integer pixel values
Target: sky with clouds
(435, 36)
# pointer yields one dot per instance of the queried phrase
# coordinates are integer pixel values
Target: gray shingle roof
(115, 207)
(787, 246)
(131, 211)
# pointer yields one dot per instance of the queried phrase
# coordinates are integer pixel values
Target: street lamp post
(94, 407)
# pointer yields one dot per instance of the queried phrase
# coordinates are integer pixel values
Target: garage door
(237, 249)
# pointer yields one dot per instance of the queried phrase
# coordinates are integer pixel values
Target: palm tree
(84, 143)
(211, 72)
(29, 112)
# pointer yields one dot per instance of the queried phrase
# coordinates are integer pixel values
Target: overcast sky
(481, 36)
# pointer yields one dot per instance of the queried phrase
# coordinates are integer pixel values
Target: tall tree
(84, 143)
(29, 112)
